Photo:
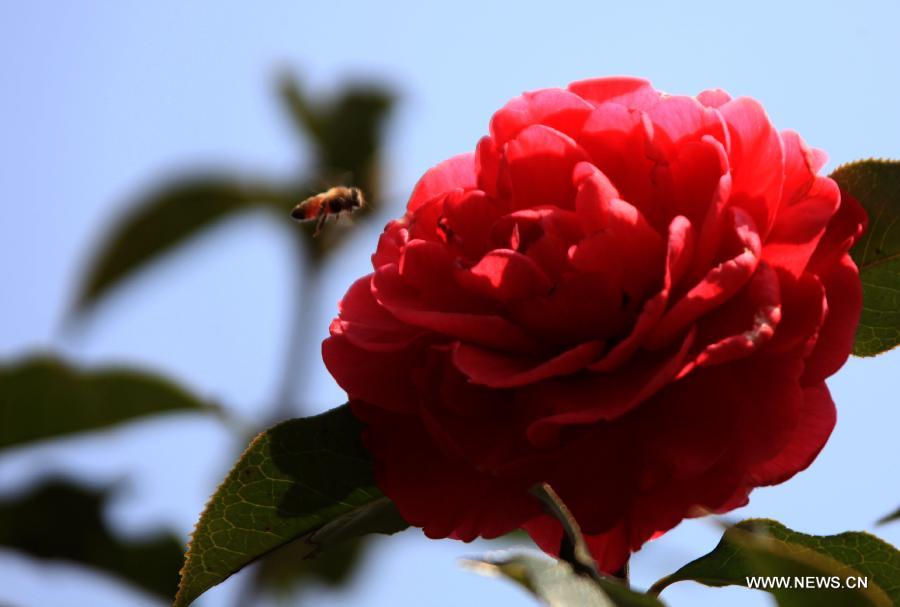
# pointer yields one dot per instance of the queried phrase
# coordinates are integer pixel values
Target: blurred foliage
(346, 135)
(166, 218)
(43, 397)
(890, 518)
(307, 482)
(61, 520)
(555, 583)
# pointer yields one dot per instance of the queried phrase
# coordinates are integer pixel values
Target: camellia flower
(635, 297)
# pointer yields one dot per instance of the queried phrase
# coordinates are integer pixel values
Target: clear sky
(100, 99)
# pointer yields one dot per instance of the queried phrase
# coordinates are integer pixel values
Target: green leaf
(876, 185)
(60, 520)
(168, 217)
(42, 397)
(556, 583)
(761, 547)
(307, 481)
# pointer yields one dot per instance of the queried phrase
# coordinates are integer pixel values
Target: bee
(337, 201)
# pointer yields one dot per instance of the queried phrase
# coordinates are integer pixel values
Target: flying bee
(337, 201)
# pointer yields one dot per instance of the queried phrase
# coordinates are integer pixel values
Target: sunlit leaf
(60, 520)
(876, 184)
(764, 548)
(556, 583)
(43, 397)
(169, 216)
(307, 481)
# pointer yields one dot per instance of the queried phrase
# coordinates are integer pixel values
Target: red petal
(425, 264)
(801, 163)
(757, 160)
(803, 312)
(367, 325)
(677, 119)
(765, 397)
(800, 226)
(582, 307)
(468, 217)
(381, 378)
(817, 418)
(713, 97)
(390, 244)
(678, 255)
(594, 397)
(555, 108)
(544, 234)
(407, 305)
(496, 370)
(694, 175)
(683, 431)
(540, 162)
(422, 224)
(844, 229)
(715, 222)
(843, 293)
(630, 92)
(745, 323)
(453, 173)
(487, 167)
(717, 286)
(505, 276)
(620, 232)
(617, 140)
(447, 497)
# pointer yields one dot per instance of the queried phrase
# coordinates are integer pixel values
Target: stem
(295, 372)
(573, 549)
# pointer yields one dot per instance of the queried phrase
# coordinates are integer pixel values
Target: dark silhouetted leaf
(760, 547)
(286, 570)
(168, 217)
(893, 516)
(43, 397)
(307, 481)
(556, 583)
(876, 184)
(60, 520)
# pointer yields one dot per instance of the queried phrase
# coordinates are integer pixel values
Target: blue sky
(100, 99)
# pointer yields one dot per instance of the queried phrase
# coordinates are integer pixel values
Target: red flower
(633, 296)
